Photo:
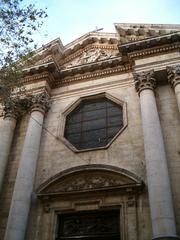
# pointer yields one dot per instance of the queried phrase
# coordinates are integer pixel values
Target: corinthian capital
(11, 108)
(15, 107)
(40, 102)
(173, 73)
(144, 80)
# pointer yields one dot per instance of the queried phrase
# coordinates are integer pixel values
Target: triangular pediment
(90, 54)
(96, 51)
(89, 48)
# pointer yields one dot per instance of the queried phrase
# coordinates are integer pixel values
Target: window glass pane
(74, 118)
(115, 121)
(95, 135)
(94, 124)
(114, 111)
(73, 128)
(101, 113)
(89, 106)
(110, 104)
(113, 131)
(74, 138)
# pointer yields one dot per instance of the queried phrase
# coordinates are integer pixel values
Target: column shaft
(7, 127)
(160, 196)
(21, 199)
(159, 189)
(177, 92)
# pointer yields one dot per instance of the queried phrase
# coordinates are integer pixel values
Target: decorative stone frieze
(40, 102)
(173, 73)
(144, 80)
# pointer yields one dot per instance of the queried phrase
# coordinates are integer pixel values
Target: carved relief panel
(90, 55)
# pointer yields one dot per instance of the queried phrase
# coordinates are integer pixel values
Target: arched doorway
(90, 202)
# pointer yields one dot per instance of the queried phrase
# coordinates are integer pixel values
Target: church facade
(97, 156)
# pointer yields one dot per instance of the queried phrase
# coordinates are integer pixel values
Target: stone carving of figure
(89, 56)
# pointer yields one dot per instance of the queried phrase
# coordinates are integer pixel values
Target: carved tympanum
(173, 73)
(88, 181)
(144, 80)
(91, 55)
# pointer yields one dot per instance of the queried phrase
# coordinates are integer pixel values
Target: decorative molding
(87, 182)
(93, 75)
(46, 203)
(144, 80)
(153, 51)
(157, 41)
(173, 73)
(90, 179)
(40, 102)
(37, 77)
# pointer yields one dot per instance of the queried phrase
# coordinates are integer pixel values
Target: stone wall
(126, 152)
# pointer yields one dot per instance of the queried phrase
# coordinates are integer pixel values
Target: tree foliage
(18, 23)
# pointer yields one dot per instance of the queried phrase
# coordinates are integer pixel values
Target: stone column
(159, 189)
(174, 79)
(21, 199)
(7, 128)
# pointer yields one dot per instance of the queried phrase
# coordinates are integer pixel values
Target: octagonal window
(93, 123)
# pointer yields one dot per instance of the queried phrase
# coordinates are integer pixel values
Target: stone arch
(86, 178)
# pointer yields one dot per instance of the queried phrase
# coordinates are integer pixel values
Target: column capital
(14, 107)
(11, 108)
(40, 102)
(173, 73)
(144, 80)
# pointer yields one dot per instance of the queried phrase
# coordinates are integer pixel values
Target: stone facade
(43, 178)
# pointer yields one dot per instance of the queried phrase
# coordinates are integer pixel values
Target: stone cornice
(151, 44)
(153, 51)
(82, 72)
(38, 77)
(173, 73)
(93, 75)
(56, 77)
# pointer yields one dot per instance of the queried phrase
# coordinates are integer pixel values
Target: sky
(70, 19)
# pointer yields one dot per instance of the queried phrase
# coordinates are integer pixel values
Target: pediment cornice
(151, 45)
(97, 60)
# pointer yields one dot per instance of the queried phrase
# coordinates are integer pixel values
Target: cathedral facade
(97, 155)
